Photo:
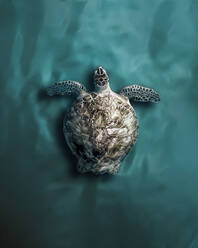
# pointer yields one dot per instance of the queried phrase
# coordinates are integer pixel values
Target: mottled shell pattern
(100, 129)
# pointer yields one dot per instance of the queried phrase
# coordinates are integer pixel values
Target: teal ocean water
(153, 201)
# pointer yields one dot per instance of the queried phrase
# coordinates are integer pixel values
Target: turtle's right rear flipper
(65, 88)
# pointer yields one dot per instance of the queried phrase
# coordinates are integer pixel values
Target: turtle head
(101, 78)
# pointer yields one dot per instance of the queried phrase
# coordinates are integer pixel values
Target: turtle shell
(100, 129)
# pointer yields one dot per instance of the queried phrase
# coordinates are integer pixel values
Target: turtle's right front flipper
(65, 88)
(140, 93)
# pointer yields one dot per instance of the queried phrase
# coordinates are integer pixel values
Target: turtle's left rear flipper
(140, 93)
(65, 88)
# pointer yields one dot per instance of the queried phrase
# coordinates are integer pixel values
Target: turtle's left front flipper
(140, 93)
(65, 88)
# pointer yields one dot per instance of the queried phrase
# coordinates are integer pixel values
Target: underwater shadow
(127, 165)
(42, 95)
(142, 105)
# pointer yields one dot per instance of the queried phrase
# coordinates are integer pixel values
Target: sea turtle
(101, 127)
